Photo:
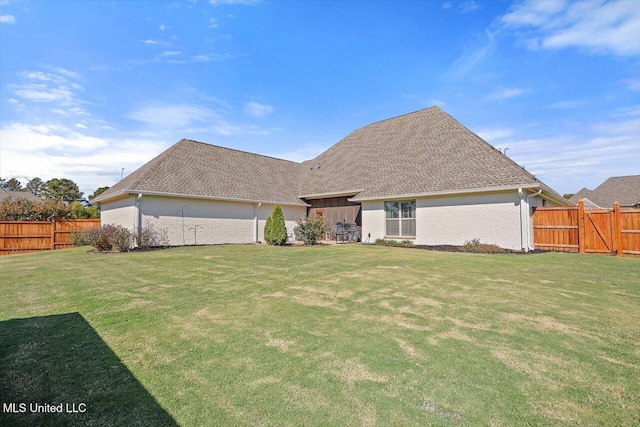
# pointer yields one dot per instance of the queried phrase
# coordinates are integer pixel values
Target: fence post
(616, 229)
(53, 234)
(581, 231)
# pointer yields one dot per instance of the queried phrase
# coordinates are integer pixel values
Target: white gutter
(194, 196)
(523, 236)
(525, 219)
(447, 192)
(255, 220)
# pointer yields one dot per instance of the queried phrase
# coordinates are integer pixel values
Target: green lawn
(346, 335)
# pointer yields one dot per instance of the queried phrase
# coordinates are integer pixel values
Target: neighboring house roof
(423, 152)
(623, 189)
(4, 194)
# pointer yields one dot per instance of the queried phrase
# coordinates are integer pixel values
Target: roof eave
(331, 194)
(195, 196)
(448, 192)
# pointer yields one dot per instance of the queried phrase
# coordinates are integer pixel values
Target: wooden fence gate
(32, 236)
(573, 229)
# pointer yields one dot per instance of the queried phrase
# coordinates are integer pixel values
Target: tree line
(58, 198)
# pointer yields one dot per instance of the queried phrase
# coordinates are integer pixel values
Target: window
(401, 218)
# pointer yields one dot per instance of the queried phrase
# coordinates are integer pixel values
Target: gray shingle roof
(5, 194)
(623, 189)
(421, 152)
(199, 169)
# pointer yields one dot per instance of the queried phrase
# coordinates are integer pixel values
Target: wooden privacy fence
(573, 229)
(32, 236)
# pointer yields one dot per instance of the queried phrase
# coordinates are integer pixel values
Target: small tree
(13, 185)
(62, 189)
(267, 231)
(278, 228)
(310, 229)
(35, 185)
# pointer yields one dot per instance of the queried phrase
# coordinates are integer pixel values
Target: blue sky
(90, 87)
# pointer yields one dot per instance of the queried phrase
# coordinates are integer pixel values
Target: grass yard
(345, 335)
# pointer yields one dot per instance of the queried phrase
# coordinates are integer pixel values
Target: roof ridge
(239, 151)
(513, 162)
(433, 107)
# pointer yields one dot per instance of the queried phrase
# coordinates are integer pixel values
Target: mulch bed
(453, 248)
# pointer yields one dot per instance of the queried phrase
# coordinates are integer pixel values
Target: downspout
(529, 246)
(523, 235)
(138, 224)
(255, 222)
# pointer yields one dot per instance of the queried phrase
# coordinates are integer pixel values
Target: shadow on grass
(61, 360)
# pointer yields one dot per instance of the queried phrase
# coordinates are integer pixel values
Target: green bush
(310, 229)
(394, 243)
(278, 228)
(267, 231)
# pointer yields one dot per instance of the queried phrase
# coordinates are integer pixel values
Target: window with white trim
(401, 218)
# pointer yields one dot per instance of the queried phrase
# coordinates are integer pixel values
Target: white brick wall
(493, 218)
(121, 212)
(217, 221)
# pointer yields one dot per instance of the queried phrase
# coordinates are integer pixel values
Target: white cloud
(171, 53)
(81, 126)
(149, 42)
(7, 19)
(176, 116)
(599, 27)
(257, 110)
(446, 5)
(207, 57)
(163, 27)
(585, 158)
(566, 105)
(213, 23)
(509, 93)
(50, 87)
(491, 135)
(472, 54)
(633, 84)
(54, 151)
(468, 6)
(305, 152)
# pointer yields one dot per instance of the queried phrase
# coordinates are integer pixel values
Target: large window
(401, 218)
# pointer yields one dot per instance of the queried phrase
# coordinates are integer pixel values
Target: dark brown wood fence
(573, 229)
(32, 236)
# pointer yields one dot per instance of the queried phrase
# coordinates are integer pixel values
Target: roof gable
(422, 152)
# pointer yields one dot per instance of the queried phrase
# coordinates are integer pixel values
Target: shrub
(310, 229)
(267, 231)
(150, 237)
(474, 245)
(77, 238)
(278, 233)
(394, 243)
(98, 238)
(18, 209)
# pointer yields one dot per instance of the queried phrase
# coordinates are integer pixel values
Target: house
(5, 194)
(623, 189)
(421, 176)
